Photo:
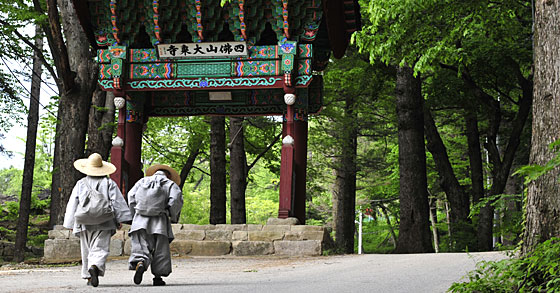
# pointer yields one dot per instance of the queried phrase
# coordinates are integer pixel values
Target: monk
(155, 202)
(94, 232)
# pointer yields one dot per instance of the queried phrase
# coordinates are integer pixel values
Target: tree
(31, 142)
(75, 75)
(345, 183)
(168, 139)
(238, 171)
(12, 109)
(76, 78)
(469, 39)
(543, 204)
(456, 195)
(217, 170)
(348, 144)
(101, 123)
(414, 232)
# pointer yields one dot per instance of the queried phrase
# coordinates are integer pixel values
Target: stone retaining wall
(275, 238)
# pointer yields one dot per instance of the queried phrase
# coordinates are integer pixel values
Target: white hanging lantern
(117, 142)
(119, 102)
(288, 140)
(289, 99)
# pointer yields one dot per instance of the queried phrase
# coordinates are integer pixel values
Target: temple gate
(193, 57)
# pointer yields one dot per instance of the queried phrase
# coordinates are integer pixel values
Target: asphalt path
(346, 273)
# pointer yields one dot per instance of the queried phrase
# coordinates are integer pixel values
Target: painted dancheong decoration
(197, 57)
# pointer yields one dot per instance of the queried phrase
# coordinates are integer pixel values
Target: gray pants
(95, 249)
(153, 250)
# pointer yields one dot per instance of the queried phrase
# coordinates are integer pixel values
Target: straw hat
(174, 175)
(94, 166)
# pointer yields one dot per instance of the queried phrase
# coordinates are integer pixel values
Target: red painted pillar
(133, 152)
(300, 167)
(287, 167)
(117, 152)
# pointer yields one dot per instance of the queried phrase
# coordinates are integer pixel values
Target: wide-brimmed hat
(94, 166)
(174, 175)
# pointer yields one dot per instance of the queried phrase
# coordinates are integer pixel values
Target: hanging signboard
(202, 50)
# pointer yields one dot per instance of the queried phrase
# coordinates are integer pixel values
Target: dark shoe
(158, 281)
(140, 269)
(89, 281)
(94, 272)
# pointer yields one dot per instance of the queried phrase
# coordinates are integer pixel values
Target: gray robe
(151, 235)
(95, 239)
(156, 224)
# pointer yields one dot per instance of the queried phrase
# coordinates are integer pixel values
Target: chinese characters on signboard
(198, 50)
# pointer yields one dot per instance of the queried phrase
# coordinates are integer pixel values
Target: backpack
(95, 208)
(152, 197)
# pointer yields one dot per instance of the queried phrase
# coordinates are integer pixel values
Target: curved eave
(343, 18)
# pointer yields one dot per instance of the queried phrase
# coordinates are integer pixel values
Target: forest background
(425, 130)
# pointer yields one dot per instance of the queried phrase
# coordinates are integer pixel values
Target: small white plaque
(220, 96)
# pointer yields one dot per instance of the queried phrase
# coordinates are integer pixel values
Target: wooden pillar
(287, 167)
(300, 167)
(288, 50)
(117, 150)
(133, 152)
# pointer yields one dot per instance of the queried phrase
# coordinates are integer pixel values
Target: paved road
(348, 273)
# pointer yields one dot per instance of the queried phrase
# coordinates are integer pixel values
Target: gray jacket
(156, 224)
(107, 187)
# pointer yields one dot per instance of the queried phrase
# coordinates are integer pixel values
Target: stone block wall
(283, 238)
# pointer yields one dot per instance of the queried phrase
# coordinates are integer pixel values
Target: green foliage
(14, 54)
(534, 171)
(537, 272)
(11, 183)
(9, 211)
(497, 201)
(171, 140)
(511, 222)
(371, 102)
(196, 207)
(376, 236)
(262, 195)
(424, 34)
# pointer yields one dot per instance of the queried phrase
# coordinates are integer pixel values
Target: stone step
(275, 238)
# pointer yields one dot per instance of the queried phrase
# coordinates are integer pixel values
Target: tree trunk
(237, 171)
(502, 167)
(388, 220)
(543, 202)
(217, 170)
(414, 232)
(187, 167)
(30, 144)
(433, 221)
(475, 156)
(346, 179)
(101, 123)
(477, 177)
(456, 196)
(77, 79)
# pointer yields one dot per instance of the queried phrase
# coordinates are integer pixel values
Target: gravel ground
(347, 273)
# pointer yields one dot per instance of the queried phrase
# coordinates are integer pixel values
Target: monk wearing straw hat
(95, 232)
(155, 202)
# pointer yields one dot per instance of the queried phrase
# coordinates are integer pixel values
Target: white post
(360, 233)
